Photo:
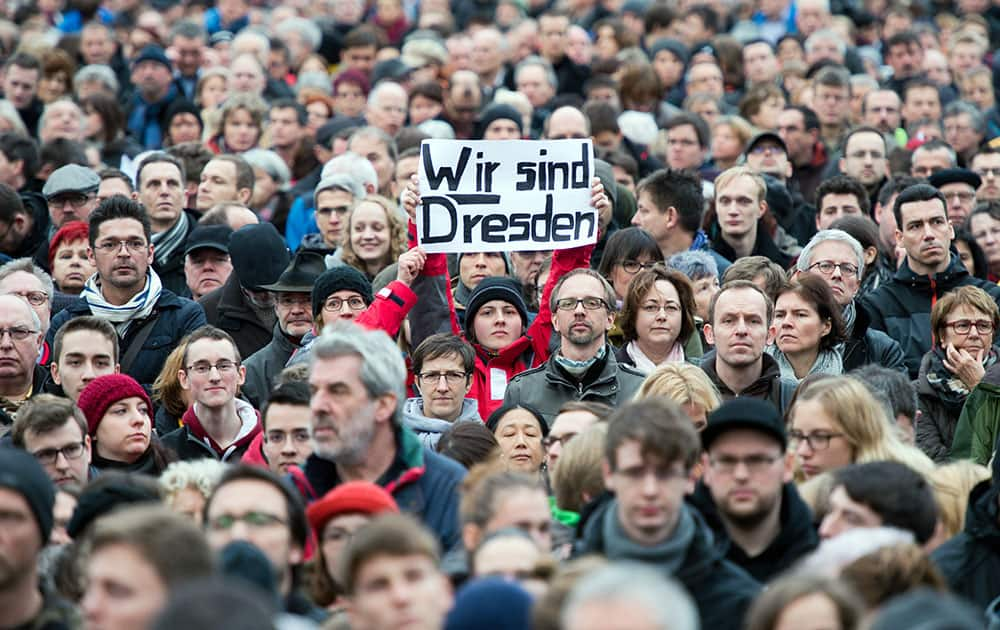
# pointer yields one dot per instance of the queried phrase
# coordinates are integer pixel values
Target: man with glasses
(286, 438)
(958, 185)
(986, 164)
(71, 193)
(443, 365)
(573, 418)
(47, 428)
(24, 278)
(20, 340)
(334, 197)
(150, 320)
(584, 367)
(932, 156)
(866, 160)
(747, 495)
(217, 424)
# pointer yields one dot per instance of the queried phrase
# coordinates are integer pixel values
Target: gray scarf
(669, 554)
(827, 362)
(578, 368)
(850, 313)
(166, 243)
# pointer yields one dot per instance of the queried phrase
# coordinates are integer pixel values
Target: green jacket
(976, 432)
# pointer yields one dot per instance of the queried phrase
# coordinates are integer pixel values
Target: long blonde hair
(952, 483)
(397, 235)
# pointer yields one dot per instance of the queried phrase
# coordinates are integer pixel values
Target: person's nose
(803, 448)
(442, 384)
(288, 445)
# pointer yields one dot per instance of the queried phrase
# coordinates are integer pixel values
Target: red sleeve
(436, 310)
(540, 331)
(389, 309)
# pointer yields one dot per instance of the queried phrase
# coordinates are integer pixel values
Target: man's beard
(355, 439)
(581, 338)
(753, 519)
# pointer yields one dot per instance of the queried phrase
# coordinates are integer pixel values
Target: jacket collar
(950, 277)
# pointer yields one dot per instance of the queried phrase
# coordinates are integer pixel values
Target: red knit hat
(352, 497)
(104, 391)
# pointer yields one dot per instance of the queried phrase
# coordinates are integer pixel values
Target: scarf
(850, 314)
(948, 387)
(827, 362)
(144, 121)
(668, 555)
(645, 365)
(139, 307)
(699, 242)
(578, 368)
(166, 243)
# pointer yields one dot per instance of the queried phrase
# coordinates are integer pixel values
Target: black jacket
(764, 246)
(38, 238)
(227, 308)
(265, 364)
(796, 538)
(970, 561)
(902, 307)
(866, 345)
(769, 386)
(721, 590)
(171, 271)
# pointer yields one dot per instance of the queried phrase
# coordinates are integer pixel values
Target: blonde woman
(952, 484)
(835, 422)
(375, 236)
(730, 135)
(688, 386)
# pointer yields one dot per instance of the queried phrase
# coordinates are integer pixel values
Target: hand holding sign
(518, 195)
(410, 265)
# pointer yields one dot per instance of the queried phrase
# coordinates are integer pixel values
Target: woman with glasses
(626, 253)
(835, 421)
(808, 328)
(657, 320)
(964, 322)
(119, 421)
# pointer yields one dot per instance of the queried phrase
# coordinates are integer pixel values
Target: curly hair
(397, 235)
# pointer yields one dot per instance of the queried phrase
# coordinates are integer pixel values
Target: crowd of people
(236, 390)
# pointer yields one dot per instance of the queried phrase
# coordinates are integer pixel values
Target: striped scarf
(138, 308)
(168, 242)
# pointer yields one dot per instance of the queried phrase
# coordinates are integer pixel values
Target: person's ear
(54, 371)
(841, 165)
(763, 208)
(709, 334)
(182, 378)
(608, 474)
(788, 466)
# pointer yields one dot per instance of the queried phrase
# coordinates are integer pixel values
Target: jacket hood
(951, 277)
(413, 416)
(249, 429)
(769, 371)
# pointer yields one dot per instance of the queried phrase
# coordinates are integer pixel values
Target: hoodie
(192, 441)
(429, 430)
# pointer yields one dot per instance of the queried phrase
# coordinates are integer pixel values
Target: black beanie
(342, 278)
(259, 255)
(183, 106)
(495, 288)
(22, 473)
(498, 111)
(109, 492)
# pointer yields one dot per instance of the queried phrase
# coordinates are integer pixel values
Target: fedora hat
(300, 275)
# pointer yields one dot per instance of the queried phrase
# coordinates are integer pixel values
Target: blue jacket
(300, 222)
(423, 483)
(175, 317)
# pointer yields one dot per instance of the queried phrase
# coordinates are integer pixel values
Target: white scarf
(139, 307)
(645, 365)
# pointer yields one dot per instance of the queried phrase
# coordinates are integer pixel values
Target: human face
(346, 312)
(882, 110)
(317, 114)
(184, 127)
(810, 418)
(360, 58)
(205, 270)
(24, 284)
(921, 103)
(865, 159)
(658, 222)
(375, 151)
(649, 491)
(399, 592)
(987, 166)
(668, 68)
(845, 514)
(965, 254)
(527, 264)
(510, 557)
(17, 357)
(725, 144)
(63, 469)
(986, 230)
(161, 191)
(926, 236)
(759, 63)
(704, 290)
(71, 206)
(926, 163)
(520, 439)
(284, 128)
(834, 206)
(979, 92)
(336, 534)
(388, 113)
(768, 157)
(961, 198)
(217, 388)
(552, 32)
(972, 341)
(272, 535)
(740, 329)
(843, 285)
(122, 268)
(905, 59)
(582, 329)
(294, 311)
(745, 470)
(287, 441)
(369, 233)
(331, 208)
(831, 104)
(218, 184)
(797, 324)
(62, 513)
(959, 133)
(534, 84)
(152, 78)
(767, 116)
(659, 328)
(247, 75)
(213, 91)
(705, 78)
(63, 120)
(349, 99)
(85, 355)
(738, 206)
(792, 129)
(96, 45)
(190, 52)
(423, 108)
(473, 268)
(441, 398)
(565, 427)
(124, 591)
(124, 432)
(240, 132)
(502, 129)
(810, 612)
(684, 151)
(344, 417)
(20, 85)
(527, 510)
(497, 325)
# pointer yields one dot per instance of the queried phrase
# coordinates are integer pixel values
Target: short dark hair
(16, 147)
(59, 152)
(623, 161)
(894, 184)
(443, 345)
(297, 523)
(729, 285)
(194, 156)
(894, 491)
(24, 60)
(468, 443)
(244, 172)
(809, 117)
(628, 244)
(603, 117)
(118, 207)
(393, 535)
(209, 332)
(700, 126)
(861, 129)
(709, 17)
(89, 323)
(155, 157)
(680, 189)
(817, 292)
(10, 204)
(906, 37)
(918, 83)
(361, 37)
(116, 173)
(659, 426)
(843, 185)
(749, 267)
(658, 15)
(896, 387)
(295, 393)
(917, 192)
(43, 413)
(290, 103)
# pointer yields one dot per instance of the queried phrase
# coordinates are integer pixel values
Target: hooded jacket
(227, 308)
(769, 386)
(902, 307)
(429, 430)
(721, 590)
(970, 561)
(976, 431)
(796, 537)
(935, 430)
(192, 441)
(865, 345)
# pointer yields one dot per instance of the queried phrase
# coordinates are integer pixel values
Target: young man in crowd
(442, 365)
(83, 349)
(285, 440)
(48, 428)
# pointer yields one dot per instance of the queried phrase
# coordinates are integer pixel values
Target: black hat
(342, 278)
(779, 200)
(208, 237)
(21, 473)
(110, 492)
(765, 135)
(745, 413)
(955, 176)
(326, 133)
(301, 273)
(152, 52)
(499, 111)
(392, 69)
(183, 106)
(259, 255)
(674, 46)
(495, 288)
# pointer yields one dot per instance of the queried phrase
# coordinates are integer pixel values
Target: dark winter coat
(970, 561)
(227, 308)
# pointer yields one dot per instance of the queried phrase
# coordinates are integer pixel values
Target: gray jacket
(429, 430)
(264, 365)
(548, 386)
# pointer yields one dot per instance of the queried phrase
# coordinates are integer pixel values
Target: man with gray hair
(377, 146)
(24, 278)
(964, 129)
(94, 79)
(20, 341)
(302, 38)
(628, 595)
(358, 380)
(335, 196)
(838, 259)
(387, 107)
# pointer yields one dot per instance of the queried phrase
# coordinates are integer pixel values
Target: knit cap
(490, 603)
(104, 391)
(499, 111)
(341, 278)
(21, 473)
(353, 497)
(495, 288)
